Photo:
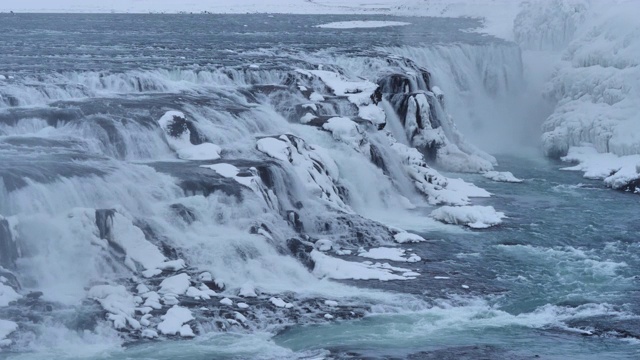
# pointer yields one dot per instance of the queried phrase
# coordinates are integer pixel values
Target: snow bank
(405, 237)
(618, 172)
(387, 253)
(361, 24)
(334, 268)
(504, 176)
(476, 217)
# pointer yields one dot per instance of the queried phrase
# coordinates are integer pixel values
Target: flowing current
(170, 187)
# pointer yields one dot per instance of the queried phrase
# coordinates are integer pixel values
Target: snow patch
(358, 24)
(504, 176)
(476, 217)
(174, 320)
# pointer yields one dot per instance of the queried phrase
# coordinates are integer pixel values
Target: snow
(473, 216)
(328, 316)
(356, 24)
(277, 302)
(177, 284)
(186, 331)
(242, 305)
(6, 328)
(135, 245)
(205, 151)
(324, 245)
(358, 92)
(406, 237)
(149, 334)
(315, 169)
(226, 301)
(596, 86)
(230, 171)
(181, 144)
(204, 293)
(152, 300)
(331, 303)
(275, 148)
(468, 189)
(437, 188)
(7, 295)
(247, 290)
(616, 171)
(174, 320)
(316, 96)
(327, 266)
(504, 176)
(118, 303)
(373, 113)
(345, 130)
(387, 253)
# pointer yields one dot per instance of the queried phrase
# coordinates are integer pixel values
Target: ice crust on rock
(475, 216)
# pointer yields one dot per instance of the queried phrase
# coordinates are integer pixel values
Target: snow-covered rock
(173, 321)
(316, 170)
(177, 284)
(178, 135)
(406, 237)
(475, 216)
(387, 253)
(277, 302)
(618, 172)
(501, 176)
(334, 268)
(119, 304)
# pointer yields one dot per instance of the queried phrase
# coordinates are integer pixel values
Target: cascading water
(161, 186)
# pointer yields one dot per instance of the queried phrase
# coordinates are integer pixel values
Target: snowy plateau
(241, 169)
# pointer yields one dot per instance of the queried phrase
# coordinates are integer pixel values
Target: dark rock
(294, 220)
(180, 125)
(377, 158)
(301, 250)
(9, 251)
(104, 222)
(184, 213)
(12, 280)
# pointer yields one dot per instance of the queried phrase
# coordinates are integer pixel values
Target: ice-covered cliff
(596, 85)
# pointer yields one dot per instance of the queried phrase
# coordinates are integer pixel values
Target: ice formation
(595, 86)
